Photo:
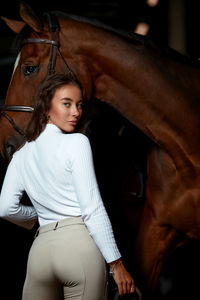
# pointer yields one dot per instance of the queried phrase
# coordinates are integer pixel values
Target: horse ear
(30, 17)
(14, 25)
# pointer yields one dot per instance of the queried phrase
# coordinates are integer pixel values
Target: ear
(15, 26)
(29, 17)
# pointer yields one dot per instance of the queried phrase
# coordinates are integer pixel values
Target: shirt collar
(52, 128)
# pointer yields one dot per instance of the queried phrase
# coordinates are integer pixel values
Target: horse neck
(130, 81)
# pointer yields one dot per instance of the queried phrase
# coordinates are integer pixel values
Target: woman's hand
(122, 278)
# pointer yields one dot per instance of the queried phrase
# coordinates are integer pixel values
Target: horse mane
(94, 22)
(141, 41)
(136, 39)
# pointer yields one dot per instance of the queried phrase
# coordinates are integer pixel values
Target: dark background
(173, 23)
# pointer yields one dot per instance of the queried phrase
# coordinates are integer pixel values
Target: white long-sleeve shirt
(57, 173)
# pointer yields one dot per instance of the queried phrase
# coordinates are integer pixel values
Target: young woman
(55, 168)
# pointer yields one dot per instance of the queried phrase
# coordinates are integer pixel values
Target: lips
(74, 123)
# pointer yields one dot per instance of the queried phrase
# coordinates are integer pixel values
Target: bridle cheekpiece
(54, 44)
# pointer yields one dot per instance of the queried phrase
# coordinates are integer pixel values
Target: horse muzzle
(12, 145)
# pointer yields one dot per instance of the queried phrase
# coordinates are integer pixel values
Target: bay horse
(155, 89)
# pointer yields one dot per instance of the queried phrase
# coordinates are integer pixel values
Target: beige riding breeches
(65, 263)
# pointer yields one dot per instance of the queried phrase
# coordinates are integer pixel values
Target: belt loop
(56, 226)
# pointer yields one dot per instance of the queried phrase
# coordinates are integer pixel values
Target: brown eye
(29, 69)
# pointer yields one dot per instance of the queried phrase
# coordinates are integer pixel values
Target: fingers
(120, 289)
(130, 287)
(123, 280)
(126, 287)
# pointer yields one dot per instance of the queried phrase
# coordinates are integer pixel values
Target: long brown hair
(42, 103)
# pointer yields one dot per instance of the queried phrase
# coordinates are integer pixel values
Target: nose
(75, 111)
(12, 145)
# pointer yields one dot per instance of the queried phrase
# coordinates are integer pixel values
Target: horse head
(40, 55)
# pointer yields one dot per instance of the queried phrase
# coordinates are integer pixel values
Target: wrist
(113, 265)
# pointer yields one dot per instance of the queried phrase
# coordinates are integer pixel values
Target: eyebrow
(69, 99)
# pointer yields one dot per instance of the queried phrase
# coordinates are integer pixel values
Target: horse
(155, 88)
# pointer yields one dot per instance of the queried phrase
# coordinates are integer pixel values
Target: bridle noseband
(54, 43)
(20, 108)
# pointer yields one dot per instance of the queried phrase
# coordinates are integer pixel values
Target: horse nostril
(12, 145)
(9, 150)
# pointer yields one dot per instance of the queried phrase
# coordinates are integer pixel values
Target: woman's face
(66, 107)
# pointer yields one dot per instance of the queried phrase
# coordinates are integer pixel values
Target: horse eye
(28, 70)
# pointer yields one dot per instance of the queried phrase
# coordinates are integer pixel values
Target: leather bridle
(54, 43)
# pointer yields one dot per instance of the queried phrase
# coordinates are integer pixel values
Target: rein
(54, 43)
